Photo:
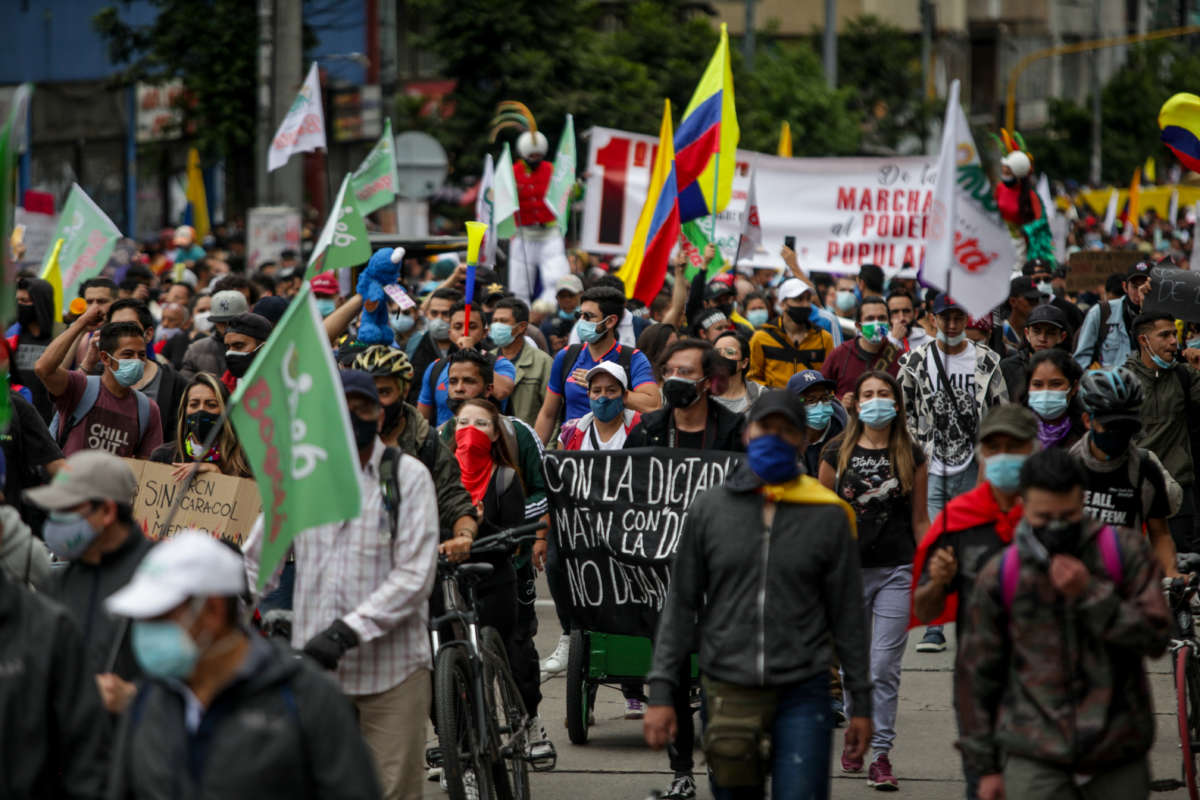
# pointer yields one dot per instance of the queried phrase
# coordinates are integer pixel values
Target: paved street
(616, 765)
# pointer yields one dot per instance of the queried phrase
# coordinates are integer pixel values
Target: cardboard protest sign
(1175, 291)
(617, 518)
(1088, 269)
(220, 505)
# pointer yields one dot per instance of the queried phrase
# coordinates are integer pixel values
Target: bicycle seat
(478, 571)
(1188, 562)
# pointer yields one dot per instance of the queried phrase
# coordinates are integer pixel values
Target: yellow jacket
(774, 359)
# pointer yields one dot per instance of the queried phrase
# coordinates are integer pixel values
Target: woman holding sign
(877, 468)
(202, 407)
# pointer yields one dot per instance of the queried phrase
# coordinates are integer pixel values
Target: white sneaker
(539, 750)
(556, 662)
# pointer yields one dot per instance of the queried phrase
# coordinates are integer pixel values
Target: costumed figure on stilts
(537, 257)
(1017, 199)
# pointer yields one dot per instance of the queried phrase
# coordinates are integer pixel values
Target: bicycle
(482, 724)
(1185, 660)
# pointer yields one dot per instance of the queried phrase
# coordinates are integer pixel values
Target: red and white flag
(303, 128)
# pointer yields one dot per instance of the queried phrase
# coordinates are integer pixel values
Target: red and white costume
(537, 248)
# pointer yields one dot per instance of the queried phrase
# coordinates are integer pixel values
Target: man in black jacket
(91, 526)
(689, 419)
(225, 713)
(53, 740)
(766, 577)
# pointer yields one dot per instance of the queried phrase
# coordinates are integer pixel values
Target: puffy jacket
(654, 430)
(279, 730)
(771, 606)
(1163, 412)
(1057, 680)
(774, 359)
(206, 354)
(53, 730)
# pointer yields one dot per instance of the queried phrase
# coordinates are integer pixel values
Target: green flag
(375, 182)
(291, 419)
(89, 237)
(695, 239)
(504, 197)
(558, 193)
(12, 142)
(343, 241)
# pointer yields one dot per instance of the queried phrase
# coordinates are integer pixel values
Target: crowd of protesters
(904, 464)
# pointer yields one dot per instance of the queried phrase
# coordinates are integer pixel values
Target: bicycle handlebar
(507, 538)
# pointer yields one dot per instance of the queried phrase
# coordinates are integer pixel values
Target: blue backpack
(87, 402)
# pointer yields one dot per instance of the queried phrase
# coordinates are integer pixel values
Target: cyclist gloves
(328, 646)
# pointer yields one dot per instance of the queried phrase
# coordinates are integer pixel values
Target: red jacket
(531, 193)
(1008, 201)
(848, 361)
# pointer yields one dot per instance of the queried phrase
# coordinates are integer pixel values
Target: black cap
(355, 381)
(717, 289)
(1048, 313)
(944, 302)
(271, 307)
(779, 401)
(1022, 286)
(1140, 270)
(1036, 266)
(250, 324)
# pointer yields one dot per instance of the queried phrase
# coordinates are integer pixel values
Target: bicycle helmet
(1110, 394)
(382, 361)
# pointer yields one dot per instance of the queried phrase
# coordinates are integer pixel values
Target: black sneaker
(934, 641)
(839, 712)
(682, 788)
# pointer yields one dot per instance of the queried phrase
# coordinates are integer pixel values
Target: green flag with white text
(89, 237)
(504, 197)
(694, 240)
(375, 183)
(562, 181)
(343, 241)
(291, 419)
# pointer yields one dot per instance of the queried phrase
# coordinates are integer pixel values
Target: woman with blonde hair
(875, 466)
(201, 408)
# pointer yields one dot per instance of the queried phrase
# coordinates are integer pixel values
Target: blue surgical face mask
(1162, 363)
(401, 322)
(758, 317)
(606, 409)
(568, 315)
(501, 334)
(951, 341)
(68, 534)
(1003, 470)
(590, 332)
(1193, 343)
(818, 415)
(772, 458)
(325, 306)
(845, 300)
(1046, 288)
(439, 329)
(1050, 404)
(129, 370)
(164, 649)
(878, 412)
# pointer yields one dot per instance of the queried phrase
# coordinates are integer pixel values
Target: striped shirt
(344, 571)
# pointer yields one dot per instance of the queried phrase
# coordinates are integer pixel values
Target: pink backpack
(1010, 566)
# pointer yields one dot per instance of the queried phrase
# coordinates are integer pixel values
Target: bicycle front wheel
(465, 760)
(509, 717)
(1187, 698)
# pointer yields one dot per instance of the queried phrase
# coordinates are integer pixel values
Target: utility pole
(830, 42)
(263, 188)
(748, 38)
(1096, 161)
(279, 75)
(925, 10)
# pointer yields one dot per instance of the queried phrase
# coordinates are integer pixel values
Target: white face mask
(952, 341)
(201, 322)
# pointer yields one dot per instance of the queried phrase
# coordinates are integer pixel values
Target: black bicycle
(482, 725)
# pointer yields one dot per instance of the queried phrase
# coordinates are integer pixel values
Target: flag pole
(716, 187)
(328, 183)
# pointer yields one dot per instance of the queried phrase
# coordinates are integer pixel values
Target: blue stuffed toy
(382, 270)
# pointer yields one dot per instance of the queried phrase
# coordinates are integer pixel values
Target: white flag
(751, 225)
(303, 128)
(1043, 193)
(969, 253)
(1110, 215)
(1173, 208)
(504, 197)
(484, 208)
(1194, 263)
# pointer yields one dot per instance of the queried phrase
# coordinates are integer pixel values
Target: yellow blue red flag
(706, 143)
(657, 229)
(196, 213)
(1179, 119)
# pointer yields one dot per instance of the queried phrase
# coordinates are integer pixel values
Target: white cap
(792, 288)
(532, 143)
(609, 368)
(189, 564)
(1018, 162)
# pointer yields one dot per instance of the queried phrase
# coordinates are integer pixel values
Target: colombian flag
(196, 213)
(53, 274)
(708, 137)
(657, 229)
(1179, 119)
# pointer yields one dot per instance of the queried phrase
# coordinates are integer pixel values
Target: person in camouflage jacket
(1050, 684)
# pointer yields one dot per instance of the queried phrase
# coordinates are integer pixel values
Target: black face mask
(200, 424)
(365, 430)
(726, 366)
(392, 414)
(26, 315)
(1059, 536)
(1114, 442)
(455, 403)
(726, 309)
(238, 363)
(800, 315)
(1009, 181)
(680, 392)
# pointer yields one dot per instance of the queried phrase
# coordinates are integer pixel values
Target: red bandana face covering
(473, 449)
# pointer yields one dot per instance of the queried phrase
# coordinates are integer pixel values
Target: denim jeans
(801, 744)
(943, 489)
(885, 599)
